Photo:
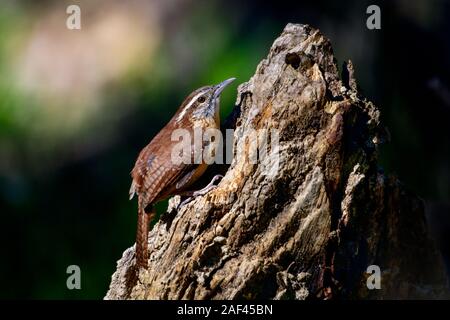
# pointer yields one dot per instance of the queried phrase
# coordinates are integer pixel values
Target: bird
(155, 176)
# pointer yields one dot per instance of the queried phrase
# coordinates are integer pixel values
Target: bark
(308, 228)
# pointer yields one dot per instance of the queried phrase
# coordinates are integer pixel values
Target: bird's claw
(201, 192)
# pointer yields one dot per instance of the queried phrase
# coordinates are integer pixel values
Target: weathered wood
(309, 229)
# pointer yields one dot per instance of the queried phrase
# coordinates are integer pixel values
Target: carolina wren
(155, 176)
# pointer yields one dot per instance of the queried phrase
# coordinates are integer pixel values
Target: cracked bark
(309, 229)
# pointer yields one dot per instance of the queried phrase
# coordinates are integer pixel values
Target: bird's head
(202, 103)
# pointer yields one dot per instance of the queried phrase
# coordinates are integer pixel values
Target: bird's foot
(193, 194)
(209, 187)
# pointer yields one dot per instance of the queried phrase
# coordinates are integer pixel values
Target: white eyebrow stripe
(185, 109)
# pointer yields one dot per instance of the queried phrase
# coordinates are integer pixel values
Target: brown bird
(156, 176)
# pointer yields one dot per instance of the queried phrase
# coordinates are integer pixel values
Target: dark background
(76, 106)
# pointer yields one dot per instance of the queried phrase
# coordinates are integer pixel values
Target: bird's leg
(193, 194)
(208, 187)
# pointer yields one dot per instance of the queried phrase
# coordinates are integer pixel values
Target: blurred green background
(76, 107)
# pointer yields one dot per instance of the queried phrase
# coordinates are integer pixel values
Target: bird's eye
(201, 99)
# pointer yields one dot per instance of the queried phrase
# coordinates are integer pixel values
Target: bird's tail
(142, 237)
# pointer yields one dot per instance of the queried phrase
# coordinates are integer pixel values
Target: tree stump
(309, 228)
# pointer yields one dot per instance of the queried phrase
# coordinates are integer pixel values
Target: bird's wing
(154, 171)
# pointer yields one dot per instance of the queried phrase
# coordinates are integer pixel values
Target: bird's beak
(219, 88)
